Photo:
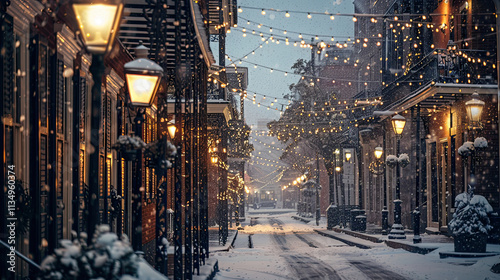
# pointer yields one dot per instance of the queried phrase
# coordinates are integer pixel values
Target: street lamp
(348, 156)
(378, 152)
(171, 129)
(474, 108)
(143, 77)
(98, 22)
(397, 230)
(378, 167)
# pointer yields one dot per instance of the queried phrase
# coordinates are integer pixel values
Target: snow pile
(471, 216)
(391, 160)
(404, 160)
(109, 258)
(466, 149)
(480, 143)
(127, 142)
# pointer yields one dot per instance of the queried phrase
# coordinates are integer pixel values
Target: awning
(440, 95)
(201, 34)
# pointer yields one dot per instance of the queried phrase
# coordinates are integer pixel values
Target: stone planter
(470, 243)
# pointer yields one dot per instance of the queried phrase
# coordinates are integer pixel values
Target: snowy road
(279, 247)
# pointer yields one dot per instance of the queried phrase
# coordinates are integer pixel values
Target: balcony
(438, 78)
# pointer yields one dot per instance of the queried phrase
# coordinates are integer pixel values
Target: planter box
(470, 243)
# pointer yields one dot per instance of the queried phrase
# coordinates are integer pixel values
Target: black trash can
(332, 215)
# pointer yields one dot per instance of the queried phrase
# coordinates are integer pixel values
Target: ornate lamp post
(397, 230)
(474, 108)
(377, 167)
(143, 77)
(99, 23)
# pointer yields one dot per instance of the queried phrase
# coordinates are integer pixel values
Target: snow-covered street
(279, 247)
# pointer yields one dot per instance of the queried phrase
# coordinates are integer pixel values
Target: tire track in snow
(374, 271)
(305, 267)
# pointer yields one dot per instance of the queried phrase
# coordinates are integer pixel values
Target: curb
(409, 248)
(348, 242)
(359, 235)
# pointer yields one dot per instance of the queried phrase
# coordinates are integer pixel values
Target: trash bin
(361, 222)
(332, 215)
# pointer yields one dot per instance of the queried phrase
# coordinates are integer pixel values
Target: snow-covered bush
(391, 160)
(480, 143)
(471, 215)
(466, 149)
(108, 258)
(404, 160)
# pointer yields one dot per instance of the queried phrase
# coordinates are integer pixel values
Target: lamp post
(342, 194)
(143, 77)
(397, 230)
(377, 167)
(474, 108)
(98, 22)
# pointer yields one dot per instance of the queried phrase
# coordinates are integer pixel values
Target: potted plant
(128, 146)
(470, 224)
(391, 161)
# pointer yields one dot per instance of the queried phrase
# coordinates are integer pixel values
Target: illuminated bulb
(332, 17)
(287, 14)
(263, 12)
(240, 10)
(309, 15)
(354, 19)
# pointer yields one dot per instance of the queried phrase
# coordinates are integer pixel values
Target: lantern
(398, 124)
(99, 22)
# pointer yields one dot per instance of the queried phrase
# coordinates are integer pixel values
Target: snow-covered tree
(470, 220)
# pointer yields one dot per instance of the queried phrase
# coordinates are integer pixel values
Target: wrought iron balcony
(443, 66)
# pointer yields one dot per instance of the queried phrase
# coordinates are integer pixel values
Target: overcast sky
(280, 56)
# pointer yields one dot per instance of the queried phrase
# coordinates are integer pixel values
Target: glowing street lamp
(474, 108)
(397, 230)
(378, 152)
(143, 78)
(348, 156)
(98, 22)
(398, 124)
(171, 129)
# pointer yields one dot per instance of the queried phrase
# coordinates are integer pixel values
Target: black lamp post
(98, 22)
(377, 167)
(474, 108)
(397, 230)
(143, 78)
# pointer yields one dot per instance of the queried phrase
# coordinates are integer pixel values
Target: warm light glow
(378, 152)
(98, 24)
(398, 124)
(348, 156)
(337, 168)
(141, 88)
(171, 129)
(474, 108)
